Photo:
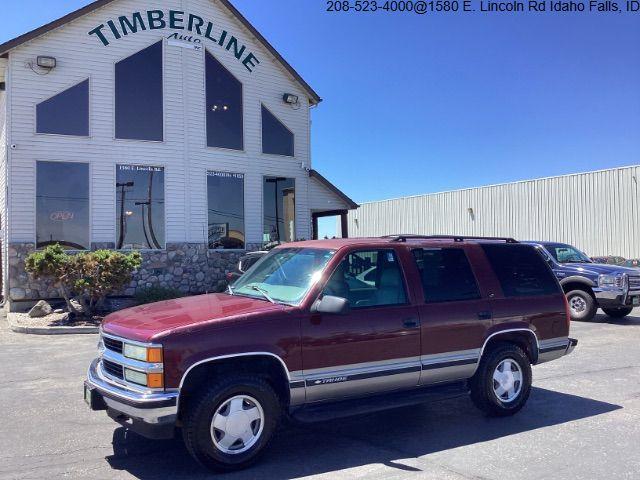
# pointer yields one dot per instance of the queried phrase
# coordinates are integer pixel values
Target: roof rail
(455, 238)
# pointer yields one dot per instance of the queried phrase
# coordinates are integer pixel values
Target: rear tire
(582, 306)
(502, 383)
(618, 312)
(240, 407)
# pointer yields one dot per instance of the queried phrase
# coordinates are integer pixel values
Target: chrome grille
(113, 369)
(112, 344)
(634, 283)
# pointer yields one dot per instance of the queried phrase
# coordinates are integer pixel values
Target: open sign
(61, 216)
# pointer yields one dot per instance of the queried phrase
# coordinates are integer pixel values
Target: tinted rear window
(521, 270)
(446, 275)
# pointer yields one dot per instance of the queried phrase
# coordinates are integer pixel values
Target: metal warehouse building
(598, 212)
(171, 127)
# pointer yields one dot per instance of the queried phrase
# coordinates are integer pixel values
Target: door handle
(410, 323)
(485, 315)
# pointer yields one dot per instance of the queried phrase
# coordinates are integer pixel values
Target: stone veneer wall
(190, 267)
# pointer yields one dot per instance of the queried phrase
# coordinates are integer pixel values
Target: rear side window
(446, 275)
(521, 270)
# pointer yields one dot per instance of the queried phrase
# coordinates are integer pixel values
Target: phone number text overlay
(420, 7)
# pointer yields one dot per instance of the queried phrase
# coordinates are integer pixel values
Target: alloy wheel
(507, 380)
(237, 424)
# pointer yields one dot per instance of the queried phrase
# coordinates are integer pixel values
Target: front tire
(502, 383)
(618, 312)
(229, 424)
(582, 306)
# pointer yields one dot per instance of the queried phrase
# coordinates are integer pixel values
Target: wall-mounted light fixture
(46, 62)
(290, 98)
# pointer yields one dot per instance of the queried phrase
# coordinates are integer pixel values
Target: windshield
(566, 253)
(283, 276)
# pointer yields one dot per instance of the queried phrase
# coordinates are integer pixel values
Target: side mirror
(331, 306)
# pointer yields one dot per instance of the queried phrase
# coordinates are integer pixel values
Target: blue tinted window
(276, 138)
(139, 109)
(140, 207)
(62, 205)
(67, 113)
(226, 210)
(224, 107)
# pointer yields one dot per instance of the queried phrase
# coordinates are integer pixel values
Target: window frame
(64, 89)
(403, 274)
(35, 202)
(295, 187)
(244, 199)
(275, 155)
(164, 95)
(165, 166)
(471, 268)
(204, 110)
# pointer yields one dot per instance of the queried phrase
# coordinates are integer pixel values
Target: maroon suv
(331, 328)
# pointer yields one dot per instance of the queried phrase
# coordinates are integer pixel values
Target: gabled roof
(16, 42)
(315, 174)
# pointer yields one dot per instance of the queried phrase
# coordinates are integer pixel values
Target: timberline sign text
(174, 20)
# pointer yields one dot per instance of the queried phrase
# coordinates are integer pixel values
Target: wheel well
(524, 340)
(263, 366)
(569, 286)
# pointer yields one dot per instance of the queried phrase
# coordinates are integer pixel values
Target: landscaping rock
(77, 306)
(40, 309)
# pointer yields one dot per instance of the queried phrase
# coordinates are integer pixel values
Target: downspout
(7, 167)
(308, 169)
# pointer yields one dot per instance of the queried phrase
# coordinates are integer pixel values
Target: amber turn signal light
(155, 380)
(154, 355)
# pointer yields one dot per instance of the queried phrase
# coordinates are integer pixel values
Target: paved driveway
(582, 421)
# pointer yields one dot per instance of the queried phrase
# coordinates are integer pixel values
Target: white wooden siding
(323, 199)
(599, 212)
(183, 153)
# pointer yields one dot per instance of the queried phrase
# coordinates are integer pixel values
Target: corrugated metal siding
(183, 153)
(598, 212)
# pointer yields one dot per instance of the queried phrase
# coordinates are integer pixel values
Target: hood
(598, 269)
(146, 322)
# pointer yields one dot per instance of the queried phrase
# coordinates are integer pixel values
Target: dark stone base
(188, 267)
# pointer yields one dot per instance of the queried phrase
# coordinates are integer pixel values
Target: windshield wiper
(264, 293)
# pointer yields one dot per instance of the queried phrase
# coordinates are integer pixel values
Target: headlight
(611, 281)
(144, 354)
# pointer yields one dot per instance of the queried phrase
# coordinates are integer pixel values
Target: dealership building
(598, 212)
(170, 127)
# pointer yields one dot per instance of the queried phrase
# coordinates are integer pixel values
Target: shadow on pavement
(383, 438)
(631, 320)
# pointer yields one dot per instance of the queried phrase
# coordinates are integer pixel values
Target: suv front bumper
(152, 415)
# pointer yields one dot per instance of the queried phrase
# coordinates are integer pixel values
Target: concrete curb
(50, 330)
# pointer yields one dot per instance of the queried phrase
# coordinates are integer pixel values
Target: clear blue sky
(417, 104)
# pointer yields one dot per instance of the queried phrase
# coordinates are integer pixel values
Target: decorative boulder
(40, 309)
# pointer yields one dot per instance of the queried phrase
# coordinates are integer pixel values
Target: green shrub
(55, 264)
(157, 294)
(103, 272)
(91, 275)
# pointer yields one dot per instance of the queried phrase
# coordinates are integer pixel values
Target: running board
(319, 412)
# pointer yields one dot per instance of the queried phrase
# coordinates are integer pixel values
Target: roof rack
(455, 238)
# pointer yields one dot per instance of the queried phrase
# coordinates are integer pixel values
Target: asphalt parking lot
(582, 421)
